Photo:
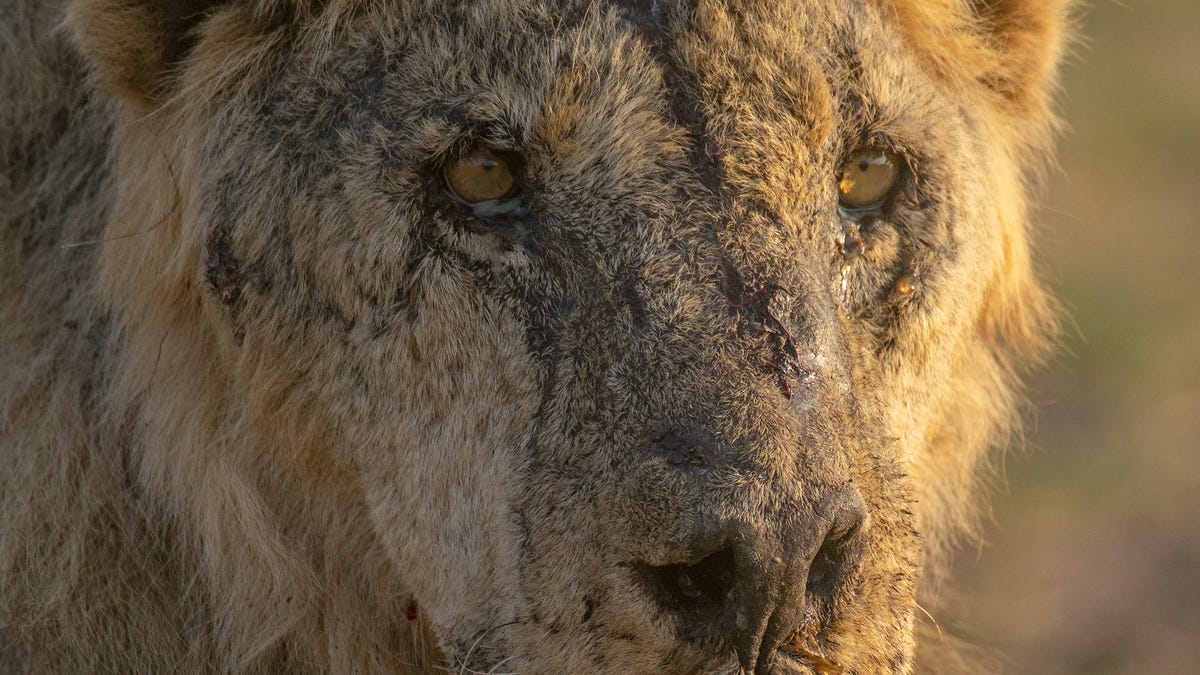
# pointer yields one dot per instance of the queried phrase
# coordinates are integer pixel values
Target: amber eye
(868, 177)
(481, 175)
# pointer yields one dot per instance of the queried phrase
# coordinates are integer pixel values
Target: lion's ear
(136, 45)
(1011, 47)
(1027, 39)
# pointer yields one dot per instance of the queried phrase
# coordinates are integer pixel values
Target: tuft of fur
(270, 402)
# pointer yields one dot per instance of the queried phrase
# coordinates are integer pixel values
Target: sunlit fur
(254, 464)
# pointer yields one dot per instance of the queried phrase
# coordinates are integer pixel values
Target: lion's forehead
(756, 101)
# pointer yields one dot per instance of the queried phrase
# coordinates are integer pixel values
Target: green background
(1092, 563)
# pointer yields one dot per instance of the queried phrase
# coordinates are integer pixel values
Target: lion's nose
(748, 584)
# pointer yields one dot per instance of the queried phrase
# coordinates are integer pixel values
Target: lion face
(639, 336)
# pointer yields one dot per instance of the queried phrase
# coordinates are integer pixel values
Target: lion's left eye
(868, 177)
(482, 175)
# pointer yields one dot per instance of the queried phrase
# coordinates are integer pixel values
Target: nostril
(832, 560)
(822, 574)
(695, 593)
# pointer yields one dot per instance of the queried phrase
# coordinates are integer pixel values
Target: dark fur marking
(181, 17)
(223, 271)
(589, 607)
(371, 80)
(543, 318)
(635, 300)
(125, 434)
(692, 447)
(647, 16)
(408, 298)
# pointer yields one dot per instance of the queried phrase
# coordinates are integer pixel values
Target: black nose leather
(748, 584)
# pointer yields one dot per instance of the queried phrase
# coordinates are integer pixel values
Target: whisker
(931, 619)
(129, 235)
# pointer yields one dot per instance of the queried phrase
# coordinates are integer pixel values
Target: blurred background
(1092, 563)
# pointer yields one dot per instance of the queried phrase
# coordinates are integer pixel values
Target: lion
(587, 336)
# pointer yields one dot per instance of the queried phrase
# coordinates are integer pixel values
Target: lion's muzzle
(751, 585)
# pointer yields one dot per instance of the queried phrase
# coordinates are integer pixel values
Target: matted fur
(269, 404)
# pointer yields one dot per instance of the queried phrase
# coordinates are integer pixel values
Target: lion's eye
(867, 177)
(481, 175)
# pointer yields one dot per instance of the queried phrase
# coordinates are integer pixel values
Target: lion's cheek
(439, 453)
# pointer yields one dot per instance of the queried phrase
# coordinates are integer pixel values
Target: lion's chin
(785, 663)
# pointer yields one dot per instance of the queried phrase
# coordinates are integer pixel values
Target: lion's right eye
(868, 177)
(482, 175)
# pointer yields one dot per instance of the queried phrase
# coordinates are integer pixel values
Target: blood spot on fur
(785, 387)
(411, 612)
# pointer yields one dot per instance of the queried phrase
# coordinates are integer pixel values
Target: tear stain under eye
(854, 228)
(853, 244)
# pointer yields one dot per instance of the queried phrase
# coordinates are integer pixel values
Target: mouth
(804, 665)
(804, 654)
(788, 660)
